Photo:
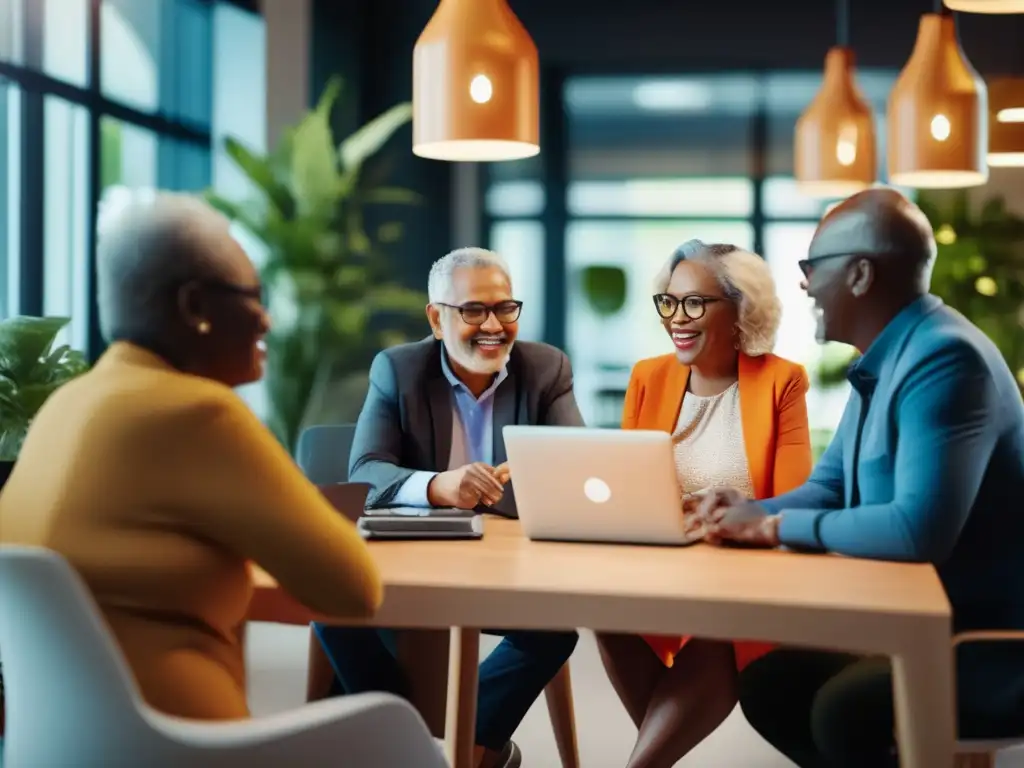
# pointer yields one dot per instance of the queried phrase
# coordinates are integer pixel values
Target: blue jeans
(511, 678)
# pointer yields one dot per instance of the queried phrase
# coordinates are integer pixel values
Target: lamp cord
(843, 22)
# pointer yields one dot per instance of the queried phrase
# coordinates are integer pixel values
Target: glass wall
(514, 202)
(652, 162)
(96, 96)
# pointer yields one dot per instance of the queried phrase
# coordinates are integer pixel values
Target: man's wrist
(435, 491)
(771, 529)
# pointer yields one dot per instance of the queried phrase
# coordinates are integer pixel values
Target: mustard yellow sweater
(160, 488)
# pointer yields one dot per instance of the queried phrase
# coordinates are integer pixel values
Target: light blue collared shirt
(472, 434)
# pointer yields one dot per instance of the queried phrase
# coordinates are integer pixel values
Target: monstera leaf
(30, 371)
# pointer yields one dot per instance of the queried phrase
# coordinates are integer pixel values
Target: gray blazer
(406, 422)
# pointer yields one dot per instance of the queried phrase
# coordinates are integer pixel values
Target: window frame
(35, 85)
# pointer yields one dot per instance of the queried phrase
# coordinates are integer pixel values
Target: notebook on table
(421, 523)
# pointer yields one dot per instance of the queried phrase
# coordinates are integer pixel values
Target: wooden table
(899, 610)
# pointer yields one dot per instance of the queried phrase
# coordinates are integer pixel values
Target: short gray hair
(439, 284)
(151, 244)
(746, 279)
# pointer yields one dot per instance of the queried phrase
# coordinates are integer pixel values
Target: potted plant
(30, 371)
(333, 295)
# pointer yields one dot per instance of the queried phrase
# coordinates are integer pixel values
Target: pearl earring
(203, 327)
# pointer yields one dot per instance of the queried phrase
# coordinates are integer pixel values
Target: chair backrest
(323, 452)
(64, 676)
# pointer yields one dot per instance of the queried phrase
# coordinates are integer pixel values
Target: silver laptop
(601, 485)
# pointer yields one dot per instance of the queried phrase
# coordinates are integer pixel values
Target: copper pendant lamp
(938, 113)
(475, 92)
(1006, 122)
(986, 6)
(834, 151)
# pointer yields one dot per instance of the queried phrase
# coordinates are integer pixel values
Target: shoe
(510, 757)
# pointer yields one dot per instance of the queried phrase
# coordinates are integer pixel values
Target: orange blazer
(773, 408)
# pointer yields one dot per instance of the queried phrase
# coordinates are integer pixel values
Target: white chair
(982, 753)
(72, 701)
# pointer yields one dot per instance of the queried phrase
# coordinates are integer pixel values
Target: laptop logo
(597, 490)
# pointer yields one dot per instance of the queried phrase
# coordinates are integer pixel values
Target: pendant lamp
(475, 85)
(834, 151)
(1006, 122)
(938, 113)
(986, 6)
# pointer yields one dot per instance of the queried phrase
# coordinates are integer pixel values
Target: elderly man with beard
(430, 435)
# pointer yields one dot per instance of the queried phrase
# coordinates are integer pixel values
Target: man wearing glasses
(430, 434)
(927, 465)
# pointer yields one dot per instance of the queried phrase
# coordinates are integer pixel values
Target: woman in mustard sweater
(157, 483)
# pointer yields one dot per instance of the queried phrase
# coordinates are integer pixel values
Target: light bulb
(1011, 115)
(480, 89)
(940, 127)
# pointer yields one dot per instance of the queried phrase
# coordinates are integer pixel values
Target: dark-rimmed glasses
(694, 305)
(807, 265)
(255, 292)
(476, 313)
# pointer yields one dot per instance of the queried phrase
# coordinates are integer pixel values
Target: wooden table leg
(460, 719)
(558, 694)
(423, 655)
(924, 698)
(319, 672)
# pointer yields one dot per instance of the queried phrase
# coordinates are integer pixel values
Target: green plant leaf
(392, 196)
(31, 370)
(315, 176)
(396, 298)
(369, 139)
(261, 173)
(24, 342)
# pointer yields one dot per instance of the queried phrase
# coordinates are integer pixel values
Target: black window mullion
(555, 157)
(759, 171)
(95, 343)
(32, 202)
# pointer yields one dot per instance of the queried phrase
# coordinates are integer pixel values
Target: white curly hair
(746, 280)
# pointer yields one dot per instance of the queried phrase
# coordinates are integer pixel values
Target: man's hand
(715, 498)
(746, 523)
(503, 473)
(466, 487)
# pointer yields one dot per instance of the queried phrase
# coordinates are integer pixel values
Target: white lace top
(708, 443)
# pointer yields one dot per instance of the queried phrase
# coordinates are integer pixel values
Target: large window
(650, 163)
(514, 203)
(10, 188)
(95, 96)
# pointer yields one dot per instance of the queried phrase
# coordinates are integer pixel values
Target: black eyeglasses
(256, 292)
(694, 306)
(807, 265)
(476, 313)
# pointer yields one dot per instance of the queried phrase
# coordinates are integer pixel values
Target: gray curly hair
(746, 280)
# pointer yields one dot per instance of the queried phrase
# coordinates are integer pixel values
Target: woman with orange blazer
(738, 417)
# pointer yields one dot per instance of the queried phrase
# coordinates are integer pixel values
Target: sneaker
(511, 757)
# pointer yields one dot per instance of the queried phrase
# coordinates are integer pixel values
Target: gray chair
(76, 703)
(323, 454)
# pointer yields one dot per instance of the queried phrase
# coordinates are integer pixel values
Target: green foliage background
(334, 298)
